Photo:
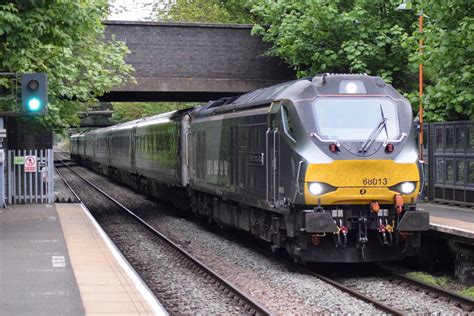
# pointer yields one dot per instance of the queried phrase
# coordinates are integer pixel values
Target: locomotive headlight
(407, 187)
(315, 188)
(404, 187)
(352, 86)
(319, 188)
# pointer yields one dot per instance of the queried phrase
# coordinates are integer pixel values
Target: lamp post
(403, 7)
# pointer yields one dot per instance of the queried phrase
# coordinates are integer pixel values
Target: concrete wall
(188, 61)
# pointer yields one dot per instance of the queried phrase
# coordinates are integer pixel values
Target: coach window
(287, 123)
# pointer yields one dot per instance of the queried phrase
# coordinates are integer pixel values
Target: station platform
(56, 260)
(450, 220)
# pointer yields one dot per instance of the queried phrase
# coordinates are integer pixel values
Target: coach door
(133, 149)
(272, 161)
(108, 154)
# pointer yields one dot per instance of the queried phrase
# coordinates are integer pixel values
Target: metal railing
(25, 184)
(449, 152)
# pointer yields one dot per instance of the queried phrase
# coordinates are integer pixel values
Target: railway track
(460, 301)
(385, 308)
(379, 305)
(247, 303)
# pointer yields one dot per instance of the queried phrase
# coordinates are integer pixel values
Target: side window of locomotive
(287, 123)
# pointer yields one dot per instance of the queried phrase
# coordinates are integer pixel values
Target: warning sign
(30, 163)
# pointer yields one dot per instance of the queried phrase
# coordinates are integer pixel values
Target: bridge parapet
(193, 61)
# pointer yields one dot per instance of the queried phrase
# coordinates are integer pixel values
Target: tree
(369, 36)
(448, 57)
(362, 36)
(210, 11)
(66, 40)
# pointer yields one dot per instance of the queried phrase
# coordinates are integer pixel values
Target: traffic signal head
(34, 94)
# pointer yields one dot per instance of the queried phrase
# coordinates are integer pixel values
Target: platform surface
(35, 275)
(55, 260)
(450, 219)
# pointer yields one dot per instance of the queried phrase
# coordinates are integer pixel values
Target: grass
(468, 292)
(440, 281)
(428, 278)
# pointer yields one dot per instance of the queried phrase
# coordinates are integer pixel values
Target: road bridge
(193, 62)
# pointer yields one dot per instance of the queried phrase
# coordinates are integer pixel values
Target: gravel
(279, 287)
(62, 194)
(406, 299)
(181, 290)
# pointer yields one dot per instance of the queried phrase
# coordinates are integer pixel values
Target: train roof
(172, 115)
(175, 115)
(308, 88)
(78, 135)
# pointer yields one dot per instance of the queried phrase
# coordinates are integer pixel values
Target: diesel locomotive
(324, 167)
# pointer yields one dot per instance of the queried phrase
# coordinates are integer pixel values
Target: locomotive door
(272, 154)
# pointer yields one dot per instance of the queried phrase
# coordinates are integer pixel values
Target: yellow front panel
(352, 178)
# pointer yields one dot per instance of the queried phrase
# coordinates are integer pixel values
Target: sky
(134, 10)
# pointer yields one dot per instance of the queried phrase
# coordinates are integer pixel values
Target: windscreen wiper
(375, 133)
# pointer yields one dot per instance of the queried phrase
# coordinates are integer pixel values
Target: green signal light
(34, 104)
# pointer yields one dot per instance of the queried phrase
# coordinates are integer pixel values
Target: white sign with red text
(30, 163)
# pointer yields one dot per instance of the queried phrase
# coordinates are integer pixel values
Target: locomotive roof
(301, 89)
(304, 88)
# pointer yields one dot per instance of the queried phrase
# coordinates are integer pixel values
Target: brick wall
(213, 53)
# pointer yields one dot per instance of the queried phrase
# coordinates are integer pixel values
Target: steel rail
(464, 302)
(256, 306)
(381, 306)
(68, 185)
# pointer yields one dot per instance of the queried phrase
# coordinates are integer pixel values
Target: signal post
(29, 95)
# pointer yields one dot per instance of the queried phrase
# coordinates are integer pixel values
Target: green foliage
(129, 111)
(442, 281)
(429, 279)
(210, 11)
(448, 57)
(66, 40)
(468, 292)
(338, 36)
(353, 36)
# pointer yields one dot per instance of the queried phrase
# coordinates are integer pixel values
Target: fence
(449, 150)
(30, 177)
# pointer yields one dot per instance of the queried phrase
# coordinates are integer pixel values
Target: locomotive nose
(362, 181)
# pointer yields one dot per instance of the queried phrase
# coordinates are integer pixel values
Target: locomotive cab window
(355, 119)
(287, 123)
